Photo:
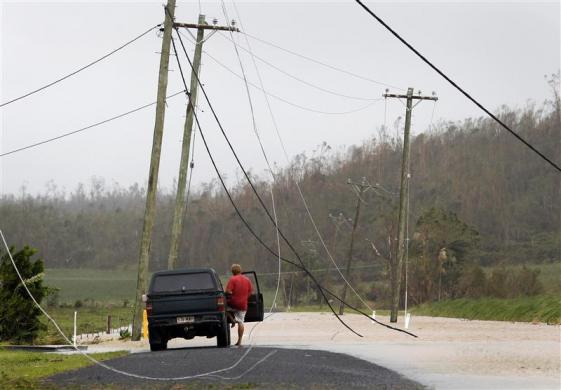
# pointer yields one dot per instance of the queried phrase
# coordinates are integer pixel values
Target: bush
(472, 282)
(19, 316)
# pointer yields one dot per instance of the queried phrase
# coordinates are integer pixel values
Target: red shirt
(240, 287)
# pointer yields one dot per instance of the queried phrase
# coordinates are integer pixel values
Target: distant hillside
(473, 169)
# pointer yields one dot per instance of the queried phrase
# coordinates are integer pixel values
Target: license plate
(185, 320)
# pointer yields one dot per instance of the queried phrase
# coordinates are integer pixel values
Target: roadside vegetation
(24, 370)
(484, 226)
(540, 308)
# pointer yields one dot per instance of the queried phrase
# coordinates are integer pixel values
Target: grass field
(89, 320)
(107, 286)
(540, 308)
(23, 370)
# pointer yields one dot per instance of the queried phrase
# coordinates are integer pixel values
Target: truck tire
(223, 336)
(157, 341)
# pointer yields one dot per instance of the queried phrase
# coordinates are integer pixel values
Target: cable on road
(80, 69)
(106, 366)
(85, 128)
(460, 89)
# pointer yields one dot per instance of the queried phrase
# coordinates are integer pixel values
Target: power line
(275, 125)
(226, 67)
(371, 103)
(298, 78)
(256, 132)
(321, 289)
(85, 128)
(467, 95)
(251, 185)
(322, 63)
(80, 69)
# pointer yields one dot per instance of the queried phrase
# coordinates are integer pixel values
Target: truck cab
(191, 302)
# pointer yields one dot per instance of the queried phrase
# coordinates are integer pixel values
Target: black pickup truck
(191, 302)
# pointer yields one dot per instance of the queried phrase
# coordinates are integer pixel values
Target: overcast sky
(499, 52)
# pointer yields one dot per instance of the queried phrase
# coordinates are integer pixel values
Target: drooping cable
(301, 266)
(460, 89)
(300, 192)
(273, 177)
(322, 63)
(80, 69)
(300, 80)
(85, 128)
(265, 208)
(286, 101)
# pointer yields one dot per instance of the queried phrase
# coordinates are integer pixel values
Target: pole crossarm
(206, 27)
(414, 97)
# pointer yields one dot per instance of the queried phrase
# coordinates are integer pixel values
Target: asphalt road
(268, 368)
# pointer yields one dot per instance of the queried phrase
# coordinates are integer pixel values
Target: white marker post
(407, 320)
(74, 338)
(373, 315)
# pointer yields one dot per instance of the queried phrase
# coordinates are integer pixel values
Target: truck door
(255, 301)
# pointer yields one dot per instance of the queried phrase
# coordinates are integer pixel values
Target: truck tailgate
(184, 304)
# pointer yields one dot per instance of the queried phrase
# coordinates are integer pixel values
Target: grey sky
(499, 52)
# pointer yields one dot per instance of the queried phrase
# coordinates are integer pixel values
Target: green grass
(106, 286)
(89, 320)
(540, 308)
(22, 370)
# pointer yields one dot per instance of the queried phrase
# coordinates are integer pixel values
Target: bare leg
(232, 319)
(240, 333)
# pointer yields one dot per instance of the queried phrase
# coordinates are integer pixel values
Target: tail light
(148, 308)
(220, 302)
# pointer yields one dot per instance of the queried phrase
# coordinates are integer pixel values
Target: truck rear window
(183, 282)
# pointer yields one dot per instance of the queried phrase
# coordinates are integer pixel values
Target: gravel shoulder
(448, 354)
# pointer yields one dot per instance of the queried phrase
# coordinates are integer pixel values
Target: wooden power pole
(180, 200)
(362, 187)
(395, 269)
(150, 210)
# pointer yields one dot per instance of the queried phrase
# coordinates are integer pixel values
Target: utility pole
(395, 269)
(180, 200)
(150, 210)
(338, 221)
(361, 189)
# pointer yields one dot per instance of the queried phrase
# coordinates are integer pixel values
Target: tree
(440, 250)
(19, 316)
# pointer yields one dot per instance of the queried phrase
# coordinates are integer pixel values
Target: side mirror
(144, 298)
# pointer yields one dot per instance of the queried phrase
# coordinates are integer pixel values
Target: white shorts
(239, 315)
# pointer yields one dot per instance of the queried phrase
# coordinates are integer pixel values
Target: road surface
(261, 368)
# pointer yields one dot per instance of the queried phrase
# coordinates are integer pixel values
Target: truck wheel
(157, 341)
(223, 336)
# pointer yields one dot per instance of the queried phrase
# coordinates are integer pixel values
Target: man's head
(236, 269)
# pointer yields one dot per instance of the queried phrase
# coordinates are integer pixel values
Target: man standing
(239, 289)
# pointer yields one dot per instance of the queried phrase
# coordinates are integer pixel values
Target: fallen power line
(301, 266)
